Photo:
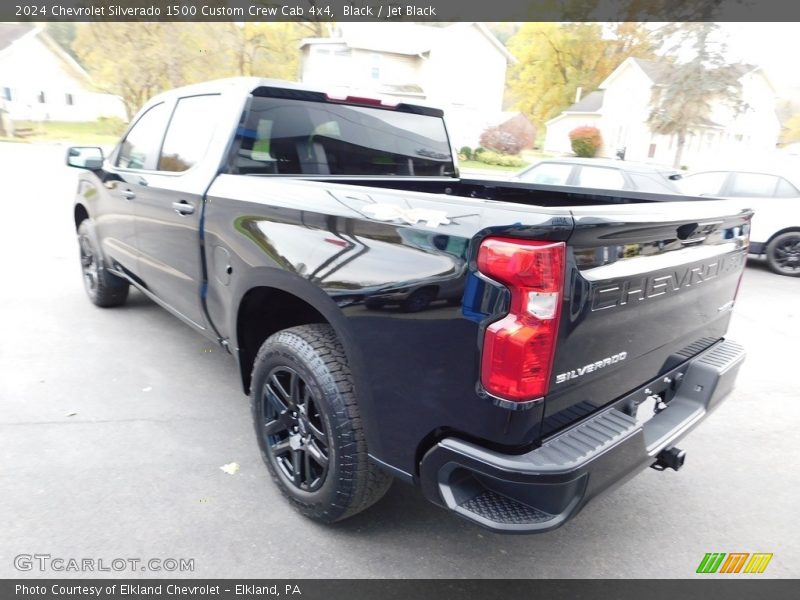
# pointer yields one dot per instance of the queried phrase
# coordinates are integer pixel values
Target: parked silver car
(604, 174)
(775, 198)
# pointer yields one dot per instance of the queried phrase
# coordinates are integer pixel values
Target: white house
(41, 82)
(622, 104)
(460, 68)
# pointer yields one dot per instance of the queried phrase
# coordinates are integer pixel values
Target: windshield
(297, 137)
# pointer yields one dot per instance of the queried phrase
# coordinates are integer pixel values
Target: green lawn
(482, 166)
(102, 132)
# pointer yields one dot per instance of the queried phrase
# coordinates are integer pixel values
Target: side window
(709, 183)
(786, 189)
(754, 185)
(548, 174)
(600, 178)
(140, 148)
(189, 132)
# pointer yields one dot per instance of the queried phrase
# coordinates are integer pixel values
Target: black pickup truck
(513, 349)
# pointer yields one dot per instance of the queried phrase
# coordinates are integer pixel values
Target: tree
(63, 33)
(138, 60)
(134, 60)
(699, 78)
(555, 59)
(791, 130)
(258, 49)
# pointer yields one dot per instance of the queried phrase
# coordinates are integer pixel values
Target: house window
(375, 69)
(41, 98)
(7, 94)
(69, 99)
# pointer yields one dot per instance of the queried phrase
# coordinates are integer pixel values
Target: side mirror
(85, 157)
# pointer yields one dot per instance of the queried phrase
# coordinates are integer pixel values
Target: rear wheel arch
(262, 312)
(794, 228)
(278, 301)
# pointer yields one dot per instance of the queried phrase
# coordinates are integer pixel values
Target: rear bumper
(544, 488)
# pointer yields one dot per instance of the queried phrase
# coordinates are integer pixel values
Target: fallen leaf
(231, 468)
(70, 414)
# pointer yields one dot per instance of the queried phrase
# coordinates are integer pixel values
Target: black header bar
(740, 588)
(399, 10)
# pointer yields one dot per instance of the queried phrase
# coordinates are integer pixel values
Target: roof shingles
(590, 103)
(11, 32)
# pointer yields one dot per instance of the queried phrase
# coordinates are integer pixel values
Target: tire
(783, 254)
(419, 300)
(103, 288)
(308, 426)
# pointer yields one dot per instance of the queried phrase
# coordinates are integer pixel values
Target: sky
(773, 46)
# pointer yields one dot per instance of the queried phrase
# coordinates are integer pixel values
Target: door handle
(183, 207)
(128, 194)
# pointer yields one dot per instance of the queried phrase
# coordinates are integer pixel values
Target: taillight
(518, 349)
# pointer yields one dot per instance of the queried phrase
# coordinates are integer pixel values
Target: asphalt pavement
(114, 425)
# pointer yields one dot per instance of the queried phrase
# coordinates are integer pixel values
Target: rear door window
(753, 185)
(709, 184)
(189, 132)
(139, 149)
(786, 189)
(600, 178)
(548, 174)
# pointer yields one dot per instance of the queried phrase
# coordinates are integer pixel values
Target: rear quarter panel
(416, 373)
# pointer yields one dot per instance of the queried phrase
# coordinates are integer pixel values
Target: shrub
(585, 141)
(501, 160)
(477, 152)
(465, 153)
(499, 140)
(522, 129)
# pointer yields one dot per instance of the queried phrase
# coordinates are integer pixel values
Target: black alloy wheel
(89, 265)
(294, 430)
(783, 254)
(103, 288)
(308, 424)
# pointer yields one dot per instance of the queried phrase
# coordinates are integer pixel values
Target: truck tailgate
(646, 288)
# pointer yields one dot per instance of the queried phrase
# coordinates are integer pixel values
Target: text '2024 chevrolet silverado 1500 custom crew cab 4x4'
(513, 349)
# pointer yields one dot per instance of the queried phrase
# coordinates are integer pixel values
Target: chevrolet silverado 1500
(513, 349)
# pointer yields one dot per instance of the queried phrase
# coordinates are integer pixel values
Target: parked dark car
(586, 332)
